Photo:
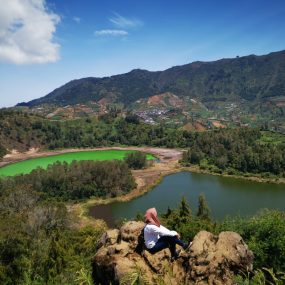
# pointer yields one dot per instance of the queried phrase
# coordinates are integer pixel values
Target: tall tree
(204, 211)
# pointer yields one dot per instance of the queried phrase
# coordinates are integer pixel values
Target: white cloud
(111, 33)
(125, 23)
(77, 20)
(27, 28)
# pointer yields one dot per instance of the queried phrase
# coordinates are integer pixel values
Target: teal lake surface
(226, 197)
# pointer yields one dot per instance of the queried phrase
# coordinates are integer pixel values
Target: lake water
(226, 197)
(26, 166)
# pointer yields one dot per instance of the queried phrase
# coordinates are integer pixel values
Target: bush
(3, 151)
(78, 180)
(136, 160)
(265, 236)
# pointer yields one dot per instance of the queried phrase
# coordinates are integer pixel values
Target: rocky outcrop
(210, 260)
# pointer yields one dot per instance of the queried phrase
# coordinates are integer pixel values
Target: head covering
(150, 217)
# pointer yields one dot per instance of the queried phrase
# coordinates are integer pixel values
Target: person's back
(157, 237)
(152, 233)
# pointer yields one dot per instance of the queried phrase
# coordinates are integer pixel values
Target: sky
(46, 43)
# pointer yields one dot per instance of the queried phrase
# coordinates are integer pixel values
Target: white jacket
(152, 233)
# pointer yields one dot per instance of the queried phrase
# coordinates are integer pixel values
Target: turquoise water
(225, 196)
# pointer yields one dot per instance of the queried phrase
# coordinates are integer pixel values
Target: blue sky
(46, 43)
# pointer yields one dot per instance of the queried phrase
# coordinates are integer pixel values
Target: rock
(211, 259)
(109, 238)
(130, 231)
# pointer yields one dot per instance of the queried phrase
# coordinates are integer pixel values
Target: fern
(84, 277)
(136, 277)
(264, 276)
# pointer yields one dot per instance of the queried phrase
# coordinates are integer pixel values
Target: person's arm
(163, 231)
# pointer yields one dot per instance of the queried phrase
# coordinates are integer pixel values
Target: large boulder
(211, 259)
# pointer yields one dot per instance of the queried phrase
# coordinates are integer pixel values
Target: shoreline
(146, 179)
(15, 157)
(84, 207)
(164, 154)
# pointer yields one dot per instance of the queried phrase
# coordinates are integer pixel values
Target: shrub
(136, 160)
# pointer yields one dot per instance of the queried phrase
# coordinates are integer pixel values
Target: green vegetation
(78, 180)
(3, 151)
(264, 233)
(25, 167)
(254, 84)
(22, 131)
(204, 211)
(38, 242)
(272, 138)
(235, 151)
(262, 276)
(244, 90)
(40, 245)
(136, 160)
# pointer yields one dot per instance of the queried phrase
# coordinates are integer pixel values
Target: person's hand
(178, 236)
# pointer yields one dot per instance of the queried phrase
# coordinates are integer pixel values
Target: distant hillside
(250, 78)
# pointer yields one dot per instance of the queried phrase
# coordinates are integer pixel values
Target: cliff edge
(210, 260)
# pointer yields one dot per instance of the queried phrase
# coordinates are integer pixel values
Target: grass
(26, 166)
(272, 138)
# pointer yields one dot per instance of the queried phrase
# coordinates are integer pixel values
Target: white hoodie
(152, 233)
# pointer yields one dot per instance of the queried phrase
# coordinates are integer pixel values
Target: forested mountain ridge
(250, 78)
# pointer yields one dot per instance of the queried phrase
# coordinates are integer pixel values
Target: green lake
(26, 166)
(226, 197)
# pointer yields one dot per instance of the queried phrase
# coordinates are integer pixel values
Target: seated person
(157, 237)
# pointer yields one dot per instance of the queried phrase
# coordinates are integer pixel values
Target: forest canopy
(237, 151)
(76, 181)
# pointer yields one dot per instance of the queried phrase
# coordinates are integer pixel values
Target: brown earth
(174, 100)
(218, 124)
(199, 127)
(188, 127)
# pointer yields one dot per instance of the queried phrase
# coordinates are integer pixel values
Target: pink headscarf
(150, 217)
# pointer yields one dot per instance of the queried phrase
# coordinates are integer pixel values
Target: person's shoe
(187, 246)
(176, 255)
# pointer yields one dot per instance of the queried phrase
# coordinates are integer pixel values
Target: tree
(3, 151)
(136, 160)
(184, 208)
(185, 212)
(56, 259)
(204, 211)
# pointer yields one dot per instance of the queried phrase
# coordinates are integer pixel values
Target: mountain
(247, 90)
(250, 78)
